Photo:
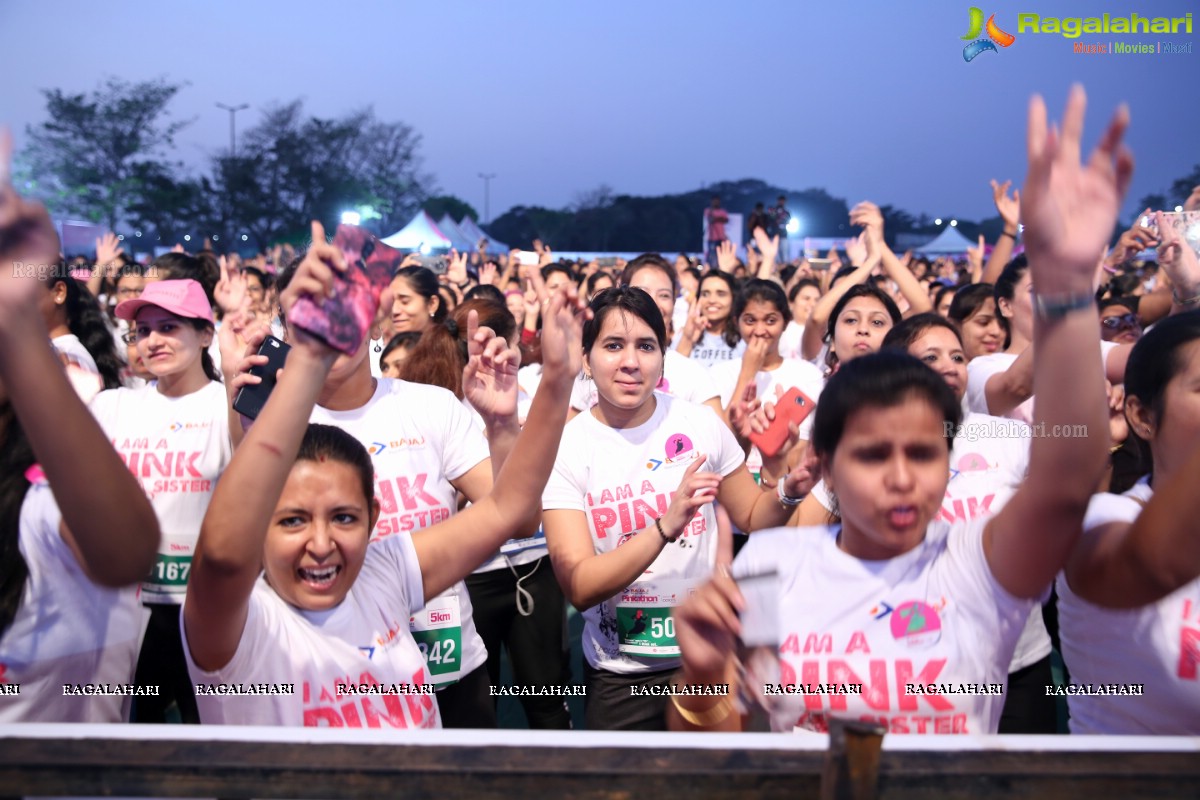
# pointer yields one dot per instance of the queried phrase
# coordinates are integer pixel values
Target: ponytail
(436, 360)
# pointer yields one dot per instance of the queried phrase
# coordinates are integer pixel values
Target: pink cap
(184, 298)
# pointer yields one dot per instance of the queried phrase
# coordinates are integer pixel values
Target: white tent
(473, 232)
(458, 238)
(422, 231)
(948, 242)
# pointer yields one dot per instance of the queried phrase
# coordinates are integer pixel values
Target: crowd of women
(998, 472)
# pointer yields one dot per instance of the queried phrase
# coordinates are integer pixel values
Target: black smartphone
(251, 399)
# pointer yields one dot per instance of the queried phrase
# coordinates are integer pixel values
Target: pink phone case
(343, 320)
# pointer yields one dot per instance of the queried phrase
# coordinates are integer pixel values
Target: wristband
(704, 719)
(1054, 307)
(1187, 301)
(528, 336)
(663, 534)
(787, 501)
(1012, 236)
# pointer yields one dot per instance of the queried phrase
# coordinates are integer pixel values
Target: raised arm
(449, 551)
(869, 216)
(1010, 212)
(814, 329)
(229, 553)
(1008, 389)
(106, 518)
(1069, 213)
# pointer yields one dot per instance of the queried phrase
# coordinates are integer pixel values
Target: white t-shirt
(984, 476)
(792, 373)
(981, 368)
(70, 346)
(177, 448)
(712, 349)
(67, 629)
(622, 480)
(1157, 646)
(682, 378)
(934, 616)
(364, 640)
(789, 342)
(420, 439)
(374, 351)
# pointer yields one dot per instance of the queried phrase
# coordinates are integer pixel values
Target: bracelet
(1012, 236)
(1054, 307)
(704, 719)
(786, 500)
(663, 534)
(1189, 301)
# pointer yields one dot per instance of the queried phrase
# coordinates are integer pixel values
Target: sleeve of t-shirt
(699, 382)
(724, 378)
(402, 557)
(821, 494)
(978, 372)
(41, 543)
(972, 580)
(465, 446)
(262, 636)
(581, 394)
(567, 485)
(731, 455)
(1105, 508)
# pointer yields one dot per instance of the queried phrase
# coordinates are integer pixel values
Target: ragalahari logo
(995, 36)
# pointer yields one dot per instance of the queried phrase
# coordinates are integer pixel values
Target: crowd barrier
(239, 762)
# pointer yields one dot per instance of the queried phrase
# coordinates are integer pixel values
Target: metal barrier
(229, 762)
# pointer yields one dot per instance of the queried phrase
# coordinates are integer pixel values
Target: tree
(457, 208)
(96, 150)
(291, 168)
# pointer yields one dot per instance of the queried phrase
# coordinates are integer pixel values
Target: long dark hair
(858, 290)
(86, 320)
(441, 352)
(16, 456)
(1155, 360)
(730, 330)
(422, 281)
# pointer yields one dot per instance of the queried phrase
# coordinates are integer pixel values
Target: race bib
(645, 625)
(438, 631)
(167, 582)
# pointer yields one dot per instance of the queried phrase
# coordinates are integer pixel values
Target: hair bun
(451, 326)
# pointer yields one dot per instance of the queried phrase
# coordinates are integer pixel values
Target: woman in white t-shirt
(80, 334)
(973, 309)
(710, 335)
(761, 311)
(287, 588)
(682, 377)
(76, 531)
(857, 324)
(628, 513)
(895, 616)
(173, 435)
(1129, 597)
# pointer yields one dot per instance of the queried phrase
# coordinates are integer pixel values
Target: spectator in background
(714, 222)
(779, 217)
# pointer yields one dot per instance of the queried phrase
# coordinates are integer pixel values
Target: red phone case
(794, 406)
(344, 319)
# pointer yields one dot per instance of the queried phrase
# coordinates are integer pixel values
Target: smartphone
(794, 406)
(251, 399)
(1187, 223)
(819, 264)
(527, 257)
(343, 320)
(435, 263)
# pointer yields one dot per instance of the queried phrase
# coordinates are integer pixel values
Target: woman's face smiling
(983, 333)
(318, 535)
(626, 364)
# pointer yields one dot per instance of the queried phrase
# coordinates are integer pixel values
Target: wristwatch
(1055, 307)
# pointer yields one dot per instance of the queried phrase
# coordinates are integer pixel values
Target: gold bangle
(703, 719)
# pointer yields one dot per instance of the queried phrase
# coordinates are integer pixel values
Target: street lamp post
(487, 183)
(232, 113)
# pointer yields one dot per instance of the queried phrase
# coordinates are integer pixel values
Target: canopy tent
(458, 238)
(473, 232)
(422, 231)
(948, 242)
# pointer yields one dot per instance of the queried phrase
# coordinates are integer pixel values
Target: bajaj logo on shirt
(396, 444)
(995, 35)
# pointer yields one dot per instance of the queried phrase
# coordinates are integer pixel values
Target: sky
(868, 100)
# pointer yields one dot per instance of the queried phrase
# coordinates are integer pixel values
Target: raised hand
(1070, 208)
(870, 218)
(975, 256)
(563, 314)
(1133, 241)
(230, 292)
(727, 256)
(487, 273)
(108, 250)
(314, 277)
(490, 376)
(1193, 201)
(856, 250)
(1178, 260)
(696, 323)
(745, 415)
(768, 246)
(1008, 207)
(456, 268)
